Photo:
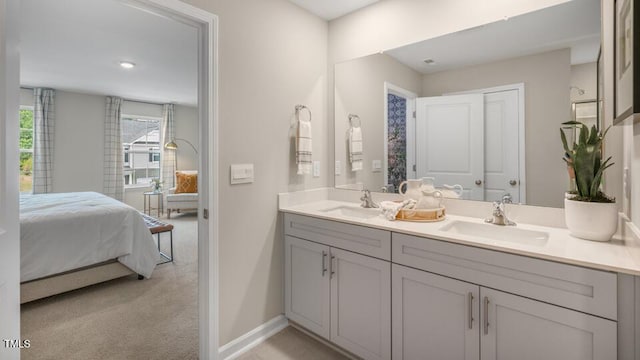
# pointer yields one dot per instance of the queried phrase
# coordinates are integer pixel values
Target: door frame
(207, 24)
(521, 128)
(411, 97)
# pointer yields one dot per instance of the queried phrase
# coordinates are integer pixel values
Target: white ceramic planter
(591, 220)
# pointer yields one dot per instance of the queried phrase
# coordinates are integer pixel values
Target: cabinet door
(514, 327)
(434, 317)
(360, 304)
(307, 284)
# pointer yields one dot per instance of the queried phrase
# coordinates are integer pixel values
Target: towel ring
(299, 108)
(352, 117)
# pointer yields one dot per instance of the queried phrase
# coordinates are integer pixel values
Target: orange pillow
(186, 183)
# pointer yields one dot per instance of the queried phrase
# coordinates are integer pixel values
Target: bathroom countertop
(617, 255)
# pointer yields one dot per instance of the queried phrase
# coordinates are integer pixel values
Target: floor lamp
(172, 145)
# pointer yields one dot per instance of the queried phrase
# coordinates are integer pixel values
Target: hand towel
(390, 209)
(355, 148)
(303, 147)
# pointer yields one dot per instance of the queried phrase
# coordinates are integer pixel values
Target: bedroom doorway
(206, 161)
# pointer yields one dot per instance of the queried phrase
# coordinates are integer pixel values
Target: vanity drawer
(359, 239)
(574, 287)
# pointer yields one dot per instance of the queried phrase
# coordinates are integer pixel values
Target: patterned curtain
(43, 132)
(113, 184)
(168, 168)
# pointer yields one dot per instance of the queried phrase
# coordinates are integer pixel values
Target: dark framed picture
(626, 100)
(600, 90)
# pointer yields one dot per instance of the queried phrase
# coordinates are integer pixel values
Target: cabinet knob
(478, 182)
(513, 182)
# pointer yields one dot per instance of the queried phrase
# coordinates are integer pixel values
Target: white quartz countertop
(617, 255)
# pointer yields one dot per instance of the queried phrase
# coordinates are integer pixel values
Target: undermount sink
(353, 212)
(496, 232)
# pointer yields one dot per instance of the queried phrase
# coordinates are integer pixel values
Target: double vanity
(455, 289)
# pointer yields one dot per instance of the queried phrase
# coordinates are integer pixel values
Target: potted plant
(156, 184)
(589, 213)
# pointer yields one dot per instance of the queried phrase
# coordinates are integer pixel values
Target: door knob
(513, 182)
(478, 182)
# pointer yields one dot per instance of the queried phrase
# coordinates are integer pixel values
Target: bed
(70, 240)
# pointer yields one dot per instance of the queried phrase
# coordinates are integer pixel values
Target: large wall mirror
(477, 110)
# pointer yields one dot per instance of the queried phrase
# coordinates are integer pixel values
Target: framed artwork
(626, 100)
(600, 90)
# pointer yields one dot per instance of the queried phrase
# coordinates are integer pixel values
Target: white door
(524, 329)
(434, 317)
(307, 284)
(360, 304)
(450, 141)
(501, 144)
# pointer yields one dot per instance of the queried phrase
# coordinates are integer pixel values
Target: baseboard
(254, 337)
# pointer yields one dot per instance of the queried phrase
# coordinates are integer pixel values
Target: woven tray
(422, 215)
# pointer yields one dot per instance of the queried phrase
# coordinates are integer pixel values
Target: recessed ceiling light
(429, 61)
(127, 64)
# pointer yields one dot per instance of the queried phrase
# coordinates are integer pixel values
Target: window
(154, 155)
(26, 149)
(141, 148)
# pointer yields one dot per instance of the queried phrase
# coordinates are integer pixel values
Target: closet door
(515, 327)
(450, 141)
(360, 304)
(502, 148)
(307, 284)
(434, 317)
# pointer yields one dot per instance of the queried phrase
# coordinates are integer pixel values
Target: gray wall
(273, 55)
(359, 89)
(79, 140)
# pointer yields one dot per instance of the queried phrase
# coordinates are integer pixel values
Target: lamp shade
(171, 145)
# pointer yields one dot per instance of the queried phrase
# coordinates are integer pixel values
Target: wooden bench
(158, 227)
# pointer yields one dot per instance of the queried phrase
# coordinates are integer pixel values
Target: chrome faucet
(367, 201)
(499, 214)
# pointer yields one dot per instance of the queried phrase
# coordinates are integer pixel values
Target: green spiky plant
(585, 158)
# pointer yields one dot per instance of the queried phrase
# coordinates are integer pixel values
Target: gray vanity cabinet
(307, 289)
(376, 294)
(434, 317)
(360, 303)
(335, 291)
(431, 313)
(452, 319)
(514, 327)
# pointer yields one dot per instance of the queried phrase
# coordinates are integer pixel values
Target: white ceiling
(575, 25)
(76, 45)
(332, 9)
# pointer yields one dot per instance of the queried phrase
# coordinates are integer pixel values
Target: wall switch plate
(316, 168)
(338, 170)
(376, 165)
(241, 174)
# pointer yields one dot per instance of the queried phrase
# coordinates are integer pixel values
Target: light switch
(241, 173)
(338, 170)
(376, 165)
(316, 168)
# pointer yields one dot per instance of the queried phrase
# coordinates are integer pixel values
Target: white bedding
(66, 231)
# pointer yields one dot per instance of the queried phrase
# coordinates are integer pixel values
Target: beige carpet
(126, 318)
(291, 344)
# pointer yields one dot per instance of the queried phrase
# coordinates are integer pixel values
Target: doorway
(399, 120)
(206, 25)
